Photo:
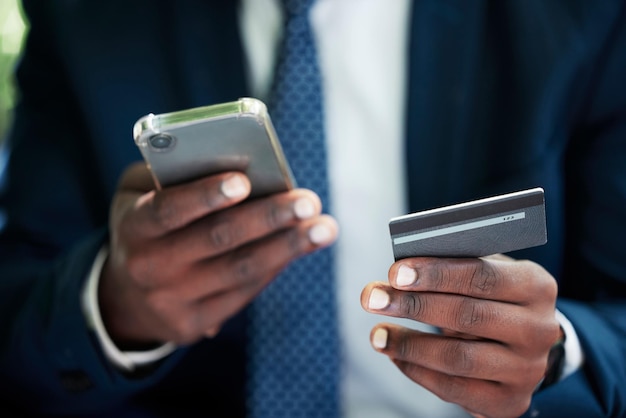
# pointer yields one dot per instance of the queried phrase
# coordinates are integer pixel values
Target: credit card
(497, 224)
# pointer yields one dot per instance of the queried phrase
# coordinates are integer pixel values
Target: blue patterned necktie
(294, 347)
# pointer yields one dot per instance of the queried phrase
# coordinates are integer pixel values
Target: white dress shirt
(362, 47)
(363, 65)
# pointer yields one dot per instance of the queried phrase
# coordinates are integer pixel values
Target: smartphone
(188, 144)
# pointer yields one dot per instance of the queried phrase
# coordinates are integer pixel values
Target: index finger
(483, 278)
(159, 212)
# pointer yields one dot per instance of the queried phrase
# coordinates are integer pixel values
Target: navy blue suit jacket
(502, 96)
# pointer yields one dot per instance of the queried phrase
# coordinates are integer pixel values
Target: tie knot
(297, 7)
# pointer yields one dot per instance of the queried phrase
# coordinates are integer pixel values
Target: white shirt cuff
(574, 356)
(125, 360)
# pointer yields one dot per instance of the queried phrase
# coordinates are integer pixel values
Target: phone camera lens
(161, 142)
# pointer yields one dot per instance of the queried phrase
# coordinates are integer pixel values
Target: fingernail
(234, 187)
(406, 276)
(379, 299)
(320, 234)
(379, 339)
(304, 208)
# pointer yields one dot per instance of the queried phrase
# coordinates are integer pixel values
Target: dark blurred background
(12, 29)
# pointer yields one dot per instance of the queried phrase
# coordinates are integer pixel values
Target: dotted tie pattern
(294, 346)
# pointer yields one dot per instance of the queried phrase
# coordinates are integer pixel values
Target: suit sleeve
(56, 215)
(594, 282)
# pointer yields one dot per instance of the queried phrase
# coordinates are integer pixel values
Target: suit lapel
(442, 65)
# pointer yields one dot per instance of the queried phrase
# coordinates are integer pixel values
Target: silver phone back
(187, 145)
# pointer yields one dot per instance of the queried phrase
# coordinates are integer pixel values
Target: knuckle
(471, 314)
(549, 288)
(483, 279)
(545, 283)
(163, 213)
(462, 357)
(161, 305)
(223, 234)
(274, 215)
(536, 334)
(140, 269)
(184, 329)
(243, 262)
(208, 195)
(411, 305)
(535, 371)
(453, 389)
(295, 244)
(403, 347)
(547, 332)
(178, 327)
(438, 275)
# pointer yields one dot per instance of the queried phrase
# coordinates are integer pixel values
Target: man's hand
(185, 259)
(498, 320)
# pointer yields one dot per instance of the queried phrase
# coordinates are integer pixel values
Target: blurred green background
(12, 30)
